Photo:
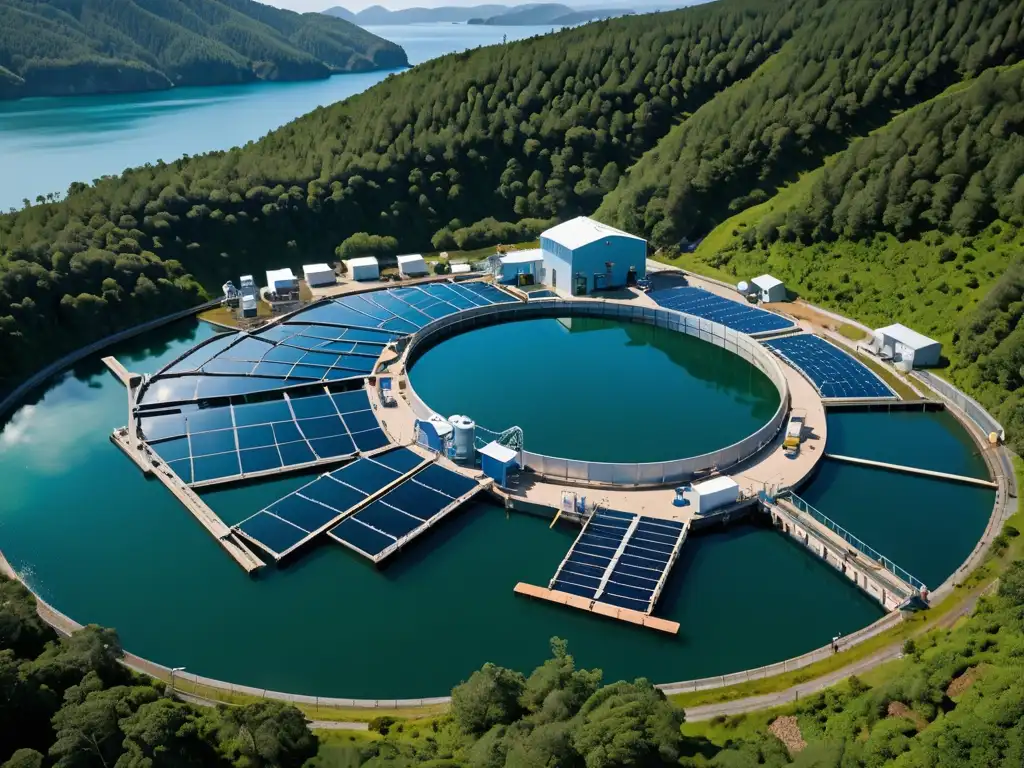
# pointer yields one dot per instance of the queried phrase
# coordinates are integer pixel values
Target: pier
(122, 374)
(871, 571)
(151, 464)
(594, 606)
(913, 470)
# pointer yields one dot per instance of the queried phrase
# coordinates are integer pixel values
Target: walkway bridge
(892, 585)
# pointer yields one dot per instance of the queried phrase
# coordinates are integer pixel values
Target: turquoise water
(47, 143)
(596, 389)
(105, 545)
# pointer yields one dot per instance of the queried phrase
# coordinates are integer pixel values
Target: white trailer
(714, 494)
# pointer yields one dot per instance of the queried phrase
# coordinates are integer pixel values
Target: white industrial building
(510, 266)
(363, 268)
(769, 288)
(318, 274)
(906, 347)
(411, 265)
(715, 493)
(582, 255)
(282, 281)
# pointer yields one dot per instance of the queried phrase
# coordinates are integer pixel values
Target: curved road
(770, 700)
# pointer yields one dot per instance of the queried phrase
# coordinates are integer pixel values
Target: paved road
(770, 700)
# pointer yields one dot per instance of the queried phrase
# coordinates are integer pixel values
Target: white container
(714, 494)
(465, 436)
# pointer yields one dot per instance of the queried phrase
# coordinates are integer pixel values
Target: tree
(628, 724)
(25, 758)
(89, 732)
(268, 734)
(165, 734)
(490, 697)
(556, 689)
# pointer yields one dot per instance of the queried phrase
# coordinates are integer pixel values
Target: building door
(579, 287)
(554, 278)
(631, 276)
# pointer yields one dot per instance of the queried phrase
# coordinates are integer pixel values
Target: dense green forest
(69, 702)
(841, 143)
(68, 47)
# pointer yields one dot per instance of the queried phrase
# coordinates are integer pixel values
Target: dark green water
(105, 545)
(925, 440)
(596, 389)
(926, 526)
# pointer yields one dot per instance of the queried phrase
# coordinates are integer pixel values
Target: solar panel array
(833, 372)
(620, 558)
(339, 339)
(205, 445)
(327, 503)
(732, 314)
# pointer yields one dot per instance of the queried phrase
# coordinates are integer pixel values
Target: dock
(120, 372)
(152, 464)
(913, 470)
(599, 608)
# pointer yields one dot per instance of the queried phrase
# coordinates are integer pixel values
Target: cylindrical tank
(465, 436)
(743, 287)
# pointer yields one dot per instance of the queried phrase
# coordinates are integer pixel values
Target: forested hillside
(68, 47)
(69, 702)
(665, 124)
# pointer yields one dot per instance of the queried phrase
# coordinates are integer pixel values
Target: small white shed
(528, 262)
(282, 281)
(363, 268)
(247, 286)
(411, 265)
(461, 269)
(715, 493)
(249, 306)
(769, 288)
(907, 346)
(318, 274)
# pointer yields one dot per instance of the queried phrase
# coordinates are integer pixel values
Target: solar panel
(370, 440)
(401, 460)
(619, 558)
(330, 493)
(389, 520)
(302, 512)
(732, 314)
(417, 500)
(365, 475)
(444, 480)
(259, 460)
(272, 533)
(347, 402)
(833, 372)
(361, 537)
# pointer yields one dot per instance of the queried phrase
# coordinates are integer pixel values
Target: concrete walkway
(315, 725)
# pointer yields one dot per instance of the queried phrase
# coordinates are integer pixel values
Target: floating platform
(913, 470)
(617, 567)
(151, 464)
(593, 606)
(374, 506)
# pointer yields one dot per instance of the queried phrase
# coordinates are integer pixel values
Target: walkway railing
(852, 540)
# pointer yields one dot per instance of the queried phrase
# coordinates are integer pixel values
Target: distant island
(548, 14)
(520, 15)
(377, 15)
(54, 48)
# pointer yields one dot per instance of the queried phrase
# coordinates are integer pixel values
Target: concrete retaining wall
(594, 473)
(15, 397)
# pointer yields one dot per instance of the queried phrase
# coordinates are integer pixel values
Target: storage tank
(465, 436)
(743, 287)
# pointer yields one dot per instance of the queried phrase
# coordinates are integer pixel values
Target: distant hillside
(377, 15)
(69, 47)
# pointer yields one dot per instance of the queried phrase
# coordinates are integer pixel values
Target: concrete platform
(595, 606)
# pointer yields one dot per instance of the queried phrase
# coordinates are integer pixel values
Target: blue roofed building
(582, 256)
